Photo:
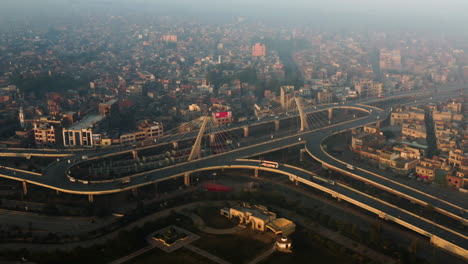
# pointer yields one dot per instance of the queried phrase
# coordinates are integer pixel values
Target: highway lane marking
(405, 211)
(389, 180)
(230, 152)
(19, 170)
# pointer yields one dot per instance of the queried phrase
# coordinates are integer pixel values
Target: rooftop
(86, 122)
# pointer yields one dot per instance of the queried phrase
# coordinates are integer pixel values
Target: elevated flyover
(439, 235)
(167, 139)
(316, 150)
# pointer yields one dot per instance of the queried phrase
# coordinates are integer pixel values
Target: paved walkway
(263, 255)
(132, 255)
(206, 254)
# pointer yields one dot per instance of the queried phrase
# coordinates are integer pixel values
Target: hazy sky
(437, 12)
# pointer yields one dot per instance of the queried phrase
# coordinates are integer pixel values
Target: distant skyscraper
(258, 50)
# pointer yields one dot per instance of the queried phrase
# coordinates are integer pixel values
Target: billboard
(223, 114)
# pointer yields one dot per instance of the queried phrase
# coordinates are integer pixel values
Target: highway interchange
(55, 176)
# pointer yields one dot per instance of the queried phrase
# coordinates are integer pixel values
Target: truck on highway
(350, 167)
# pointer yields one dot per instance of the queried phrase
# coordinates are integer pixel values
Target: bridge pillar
(246, 131)
(301, 154)
(302, 115)
(277, 125)
(256, 173)
(175, 145)
(156, 193)
(90, 198)
(25, 188)
(377, 124)
(330, 114)
(212, 138)
(135, 154)
(196, 148)
(187, 179)
(296, 182)
(346, 111)
(134, 191)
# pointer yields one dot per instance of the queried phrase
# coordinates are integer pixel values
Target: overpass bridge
(276, 117)
(440, 236)
(55, 176)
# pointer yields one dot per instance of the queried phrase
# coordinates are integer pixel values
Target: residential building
(390, 60)
(286, 97)
(81, 133)
(223, 118)
(324, 97)
(258, 50)
(456, 157)
(169, 38)
(108, 108)
(427, 168)
(147, 130)
(46, 134)
(413, 130)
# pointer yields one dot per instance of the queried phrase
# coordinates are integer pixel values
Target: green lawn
(213, 218)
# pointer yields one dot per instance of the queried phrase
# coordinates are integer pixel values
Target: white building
(81, 133)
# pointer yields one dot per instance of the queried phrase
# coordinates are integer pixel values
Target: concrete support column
(330, 114)
(296, 182)
(90, 198)
(175, 145)
(187, 179)
(212, 138)
(134, 191)
(377, 124)
(135, 154)
(277, 125)
(301, 154)
(156, 193)
(346, 111)
(58, 192)
(256, 173)
(25, 188)
(246, 131)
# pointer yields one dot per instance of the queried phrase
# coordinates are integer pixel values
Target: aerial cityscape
(249, 132)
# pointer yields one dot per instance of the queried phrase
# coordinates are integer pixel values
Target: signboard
(223, 114)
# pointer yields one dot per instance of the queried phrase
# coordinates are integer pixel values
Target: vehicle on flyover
(319, 179)
(269, 164)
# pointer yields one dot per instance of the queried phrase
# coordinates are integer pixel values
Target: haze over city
(249, 131)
